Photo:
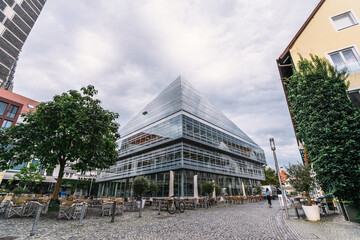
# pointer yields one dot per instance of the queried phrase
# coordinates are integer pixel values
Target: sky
(132, 50)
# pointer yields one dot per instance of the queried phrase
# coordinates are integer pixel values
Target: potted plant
(301, 179)
(140, 186)
(207, 188)
(153, 189)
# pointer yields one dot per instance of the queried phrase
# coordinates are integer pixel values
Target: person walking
(268, 196)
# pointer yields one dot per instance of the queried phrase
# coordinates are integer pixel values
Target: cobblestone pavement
(332, 226)
(248, 221)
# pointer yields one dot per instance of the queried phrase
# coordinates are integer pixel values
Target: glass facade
(187, 143)
(230, 185)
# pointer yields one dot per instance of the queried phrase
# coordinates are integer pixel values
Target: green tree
(271, 177)
(217, 190)
(300, 179)
(328, 124)
(153, 188)
(258, 189)
(207, 187)
(71, 128)
(29, 175)
(140, 185)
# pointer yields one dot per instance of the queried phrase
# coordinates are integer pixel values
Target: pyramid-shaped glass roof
(181, 96)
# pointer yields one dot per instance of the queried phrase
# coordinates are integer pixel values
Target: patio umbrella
(214, 193)
(171, 184)
(243, 187)
(196, 193)
(326, 196)
(2, 176)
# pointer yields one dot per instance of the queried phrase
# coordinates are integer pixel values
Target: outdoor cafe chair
(30, 209)
(76, 210)
(65, 210)
(4, 203)
(46, 202)
(120, 205)
(157, 201)
(16, 207)
(106, 208)
(190, 203)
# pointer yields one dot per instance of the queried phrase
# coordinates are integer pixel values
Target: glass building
(183, 132)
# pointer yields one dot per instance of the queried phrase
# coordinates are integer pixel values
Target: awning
(49, 179)
(10, 175)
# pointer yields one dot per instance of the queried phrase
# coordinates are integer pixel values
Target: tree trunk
(307, 194)
(59, 180)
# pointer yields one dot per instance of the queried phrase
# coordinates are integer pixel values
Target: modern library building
(183, 132)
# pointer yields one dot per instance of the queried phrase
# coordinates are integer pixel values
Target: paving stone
(251, 221)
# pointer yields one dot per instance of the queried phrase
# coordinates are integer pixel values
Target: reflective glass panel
(336, 58)
(343, 21)
(180, 95)
(12, 111)
(6, 123)
(3, 107)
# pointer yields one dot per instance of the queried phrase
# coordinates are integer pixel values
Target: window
(344, 20)
(6, 123)
(346, 58)
(3, 106)
(12, 111)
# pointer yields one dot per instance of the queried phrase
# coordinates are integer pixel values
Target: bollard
(82, 214)
(159, 207)
(113, 212)
(297, 212)
(206, 203)
(132, 205)
(38, 212)
(140, 211)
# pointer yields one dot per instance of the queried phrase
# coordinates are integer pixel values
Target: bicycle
(174, 204)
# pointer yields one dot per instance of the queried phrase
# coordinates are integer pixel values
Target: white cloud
(131, 50)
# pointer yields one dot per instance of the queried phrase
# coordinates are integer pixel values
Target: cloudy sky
(131, 50)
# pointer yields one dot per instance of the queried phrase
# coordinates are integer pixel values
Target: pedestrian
(268, 196)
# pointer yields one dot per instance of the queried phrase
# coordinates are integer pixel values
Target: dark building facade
(17, 17)
(183, 132)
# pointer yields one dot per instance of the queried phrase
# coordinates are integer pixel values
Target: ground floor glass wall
(183, 184)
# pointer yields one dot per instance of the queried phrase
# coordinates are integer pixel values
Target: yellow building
(331, 31)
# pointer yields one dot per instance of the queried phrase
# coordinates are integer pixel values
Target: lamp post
(272, 145)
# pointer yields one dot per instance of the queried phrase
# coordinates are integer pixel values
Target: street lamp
(273, 148)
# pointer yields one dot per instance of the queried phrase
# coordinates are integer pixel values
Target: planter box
(312, 212)
(351, 212)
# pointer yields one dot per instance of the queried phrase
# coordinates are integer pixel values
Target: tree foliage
(300, 178)
(328, 124)
(71, 128)
(81, 184)
(271, 177)
(258, 189)
(140, 185)
(29, 175)
(217, 190)
(207, 187)
(153, 188)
